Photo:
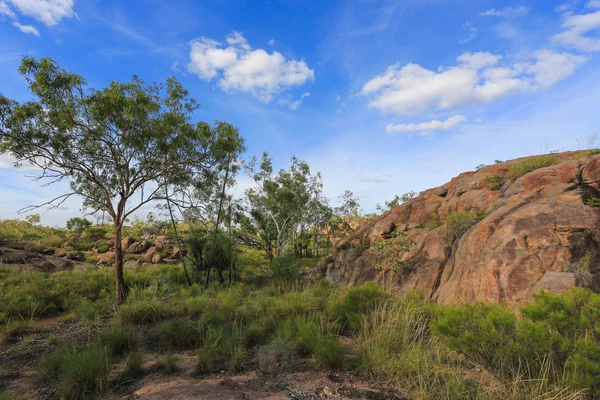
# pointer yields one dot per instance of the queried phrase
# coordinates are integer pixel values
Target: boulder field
(526, 229)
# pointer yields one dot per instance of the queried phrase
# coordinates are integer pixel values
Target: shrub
(593, 202)
(178, 334)
(94, 233)
(434, 222)
(142, 312)
(457, 223)
(77, 374)
(258, 332)
(494, 182)
(285, 268)
(523, 167)
(53, 241)
(328, 350)
(102, 246)
(357, 301)
(119, 340)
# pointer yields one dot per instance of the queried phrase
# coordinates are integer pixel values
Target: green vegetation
(285, 268)
(494, 182)
(77, 374)
(457, 223)
(593, 202)
(523, 167)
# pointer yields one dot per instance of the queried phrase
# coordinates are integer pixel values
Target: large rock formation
(531, 232)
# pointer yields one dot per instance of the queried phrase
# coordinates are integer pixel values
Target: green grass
(143, 312)
(119, 340)
(458, 223)
(179, 334)
(523, 167)
(167, 364)
(77, 374)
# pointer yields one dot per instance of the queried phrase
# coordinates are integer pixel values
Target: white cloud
(240, 68)
(576, 30)
(593, 4)
(27, 29)
(476, 79)
(272, 42)
(293, 105)
(49, 12)
(425, 128)
(506, 12)
(5, 10)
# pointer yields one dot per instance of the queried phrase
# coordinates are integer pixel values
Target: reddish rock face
(530, 234)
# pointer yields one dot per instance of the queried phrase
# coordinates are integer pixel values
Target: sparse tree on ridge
(119, 147)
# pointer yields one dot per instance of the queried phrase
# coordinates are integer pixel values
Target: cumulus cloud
(506, 12)
(577, 30)
(424, 128)
(238, 67)
(49, 12)
(27, 29)
(477, 78)
(293, 105)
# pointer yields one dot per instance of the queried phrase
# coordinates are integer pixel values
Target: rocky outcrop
(529, 233)
(31, 261)
(139, 247)
(190, 388)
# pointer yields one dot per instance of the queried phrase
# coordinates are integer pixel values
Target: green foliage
(95, 233)
(457, 223)
(593, 202)
(16, 329)
(434, 222)
(143, 312)
(198, 306)
(77, 374)
(221, 350)
(523, 167)
(178, 334)
(357, 301)
(53, 241)
(133, 363)
(102, 246)
(495, 182)
(29, 294)
(78, 225)
(285, 268)
(119, 340)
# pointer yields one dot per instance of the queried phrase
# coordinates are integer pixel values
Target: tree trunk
(179, 241)
(120, 288)
(316, 243)
(214, 247)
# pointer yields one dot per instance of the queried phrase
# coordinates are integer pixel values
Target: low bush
(77, 374)
(357, 301)
(102, 246)
(16, 329)
(523, 167)
(495, 182)
(457, 223)
(53, 241)
(285, 268)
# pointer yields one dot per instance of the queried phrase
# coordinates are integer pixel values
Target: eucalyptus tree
(283, 197)
(119, 147)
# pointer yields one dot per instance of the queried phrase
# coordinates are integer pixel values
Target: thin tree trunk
(120, 288)
(212, 256)
(230, 246)
(179, 242)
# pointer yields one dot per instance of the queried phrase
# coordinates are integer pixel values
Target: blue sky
(381, 97)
